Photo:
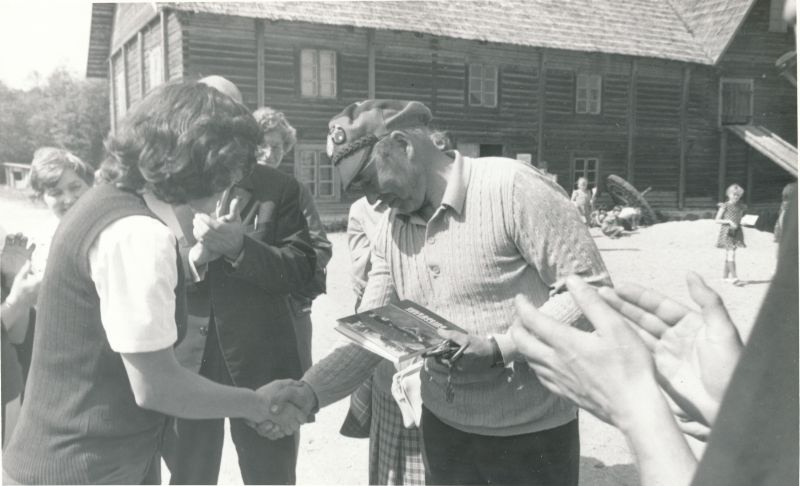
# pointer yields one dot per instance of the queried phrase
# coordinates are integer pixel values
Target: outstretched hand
(609, 372)
(695, 352)
(15, 253)
(290, 404)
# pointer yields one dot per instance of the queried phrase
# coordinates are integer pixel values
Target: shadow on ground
(595, 473)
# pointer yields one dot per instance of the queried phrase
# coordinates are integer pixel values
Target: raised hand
(15, 253)
(223, 235)
(290, 404)
(695, 352)
(610, 372)
(22, 296)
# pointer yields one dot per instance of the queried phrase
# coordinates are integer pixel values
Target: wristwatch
(497, 356)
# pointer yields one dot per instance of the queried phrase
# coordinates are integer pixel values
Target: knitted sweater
(502, 230)
(80, 423)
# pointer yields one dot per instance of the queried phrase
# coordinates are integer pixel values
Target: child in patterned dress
(731, 236)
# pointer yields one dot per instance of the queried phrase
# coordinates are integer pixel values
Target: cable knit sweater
(502, 230)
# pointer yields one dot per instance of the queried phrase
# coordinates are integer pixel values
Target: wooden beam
(261, 95)
(371, 63)
(723, 165)
(111, 94)
(687, 73)
(748, 164)
(164, 46)
(630, 173)
(434, 74)
(140, 58)
(541, 105)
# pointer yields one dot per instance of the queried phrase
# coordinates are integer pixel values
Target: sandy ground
(658, 256)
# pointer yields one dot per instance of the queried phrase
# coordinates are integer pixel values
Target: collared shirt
(502, 230)
(362, 225)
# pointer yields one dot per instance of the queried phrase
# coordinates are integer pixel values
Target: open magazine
(398, 332)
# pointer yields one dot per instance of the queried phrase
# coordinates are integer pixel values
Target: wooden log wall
(173, 37)
(653, 114)
(224, 46)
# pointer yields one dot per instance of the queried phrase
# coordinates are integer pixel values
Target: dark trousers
(547, 458)
(193, 448)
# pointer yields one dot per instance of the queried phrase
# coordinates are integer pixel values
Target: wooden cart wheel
(625, 194)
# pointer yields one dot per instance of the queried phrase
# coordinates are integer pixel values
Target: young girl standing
(583, 199)
(731, 235)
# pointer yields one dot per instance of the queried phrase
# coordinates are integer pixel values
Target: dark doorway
(490, 150)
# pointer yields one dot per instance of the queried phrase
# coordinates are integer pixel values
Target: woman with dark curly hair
(104, 376)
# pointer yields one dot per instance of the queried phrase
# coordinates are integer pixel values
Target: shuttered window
(587, 167)
(587, 93)
(482, 85)
(318, 73)
(313, 168)
(736, 101)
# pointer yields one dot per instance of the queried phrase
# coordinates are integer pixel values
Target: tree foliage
(63, 111)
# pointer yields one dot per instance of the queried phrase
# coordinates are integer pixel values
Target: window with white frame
(587, 93)
(482, 85)
(318, 73)
(587, 167)
(313, 167)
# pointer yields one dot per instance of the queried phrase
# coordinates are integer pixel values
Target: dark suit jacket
(249, 303)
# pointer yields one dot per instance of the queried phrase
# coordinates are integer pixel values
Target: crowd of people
(177, 293)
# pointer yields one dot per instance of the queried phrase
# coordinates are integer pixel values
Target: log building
(682, 96)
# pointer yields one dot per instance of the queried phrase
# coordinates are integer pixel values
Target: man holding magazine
(463, 238)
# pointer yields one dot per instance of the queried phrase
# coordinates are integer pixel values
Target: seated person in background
(630, 217)
(610, 226)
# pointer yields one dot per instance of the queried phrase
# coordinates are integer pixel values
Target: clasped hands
(646, 346)
(218, 236)
(285, 406)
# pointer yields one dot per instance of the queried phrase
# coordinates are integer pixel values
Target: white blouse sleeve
(134, 268)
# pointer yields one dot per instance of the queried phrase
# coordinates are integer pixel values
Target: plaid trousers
(395, 452)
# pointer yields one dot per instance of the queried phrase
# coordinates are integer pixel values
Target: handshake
(284, 405)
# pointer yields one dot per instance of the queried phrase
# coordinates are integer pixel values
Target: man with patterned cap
(464, 237)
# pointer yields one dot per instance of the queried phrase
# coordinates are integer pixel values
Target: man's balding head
(223, 86)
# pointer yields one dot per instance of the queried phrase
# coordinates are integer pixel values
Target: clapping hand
(223, 235)
(290, 404)
(16, 253)
(609, 372)
(695, 351)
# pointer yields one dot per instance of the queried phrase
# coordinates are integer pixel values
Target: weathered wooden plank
(631, 161)
(683, 139)
(129, 18)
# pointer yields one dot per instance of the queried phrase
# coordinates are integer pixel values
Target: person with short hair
(59, 178)
(463, 237)
(104, 376)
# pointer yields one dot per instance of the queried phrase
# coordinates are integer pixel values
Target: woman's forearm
(661, 451)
